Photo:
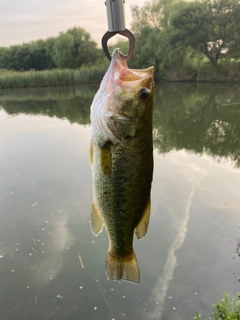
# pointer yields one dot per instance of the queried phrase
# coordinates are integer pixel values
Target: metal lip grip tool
(116, 25)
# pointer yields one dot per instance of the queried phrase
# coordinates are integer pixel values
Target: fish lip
(116, 54)
(118, 58)
(120, 72)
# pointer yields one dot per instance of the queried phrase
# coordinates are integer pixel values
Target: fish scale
(127, 196)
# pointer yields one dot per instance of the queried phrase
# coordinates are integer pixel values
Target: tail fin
(125, 268)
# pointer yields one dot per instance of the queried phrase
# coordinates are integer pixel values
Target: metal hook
(126, 33)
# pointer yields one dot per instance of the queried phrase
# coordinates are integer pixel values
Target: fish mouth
(120, 70)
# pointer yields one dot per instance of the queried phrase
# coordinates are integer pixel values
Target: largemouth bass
(121, 156)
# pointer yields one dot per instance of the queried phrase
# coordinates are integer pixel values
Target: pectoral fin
(106, 157)
(96, 221)
(141, 228)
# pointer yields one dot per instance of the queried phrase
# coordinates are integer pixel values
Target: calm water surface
(52, 267)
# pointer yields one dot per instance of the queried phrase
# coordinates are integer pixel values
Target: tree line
(70, 49)
(175, 35)
(180, 38)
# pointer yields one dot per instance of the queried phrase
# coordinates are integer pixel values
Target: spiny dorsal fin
(141, 228)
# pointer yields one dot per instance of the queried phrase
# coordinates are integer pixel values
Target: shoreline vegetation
(228, 72)
(196, 41)
(50, 78)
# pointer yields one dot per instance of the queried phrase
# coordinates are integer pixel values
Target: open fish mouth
(121, 71)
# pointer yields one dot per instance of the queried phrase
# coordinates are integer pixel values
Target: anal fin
(96, 221)
(141, 228)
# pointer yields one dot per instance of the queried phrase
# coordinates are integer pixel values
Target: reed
(50, 78)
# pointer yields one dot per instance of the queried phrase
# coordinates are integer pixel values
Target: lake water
(52, 267)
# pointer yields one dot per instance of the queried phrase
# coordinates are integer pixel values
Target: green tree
(71, 50)
(26, 56)
(63, 50)
(84, 49)
(50, 44)
(209, 27)
(18, 54)
(4, 58)
(37, 55)
(74, 48)
(150, 27)
(154, 14)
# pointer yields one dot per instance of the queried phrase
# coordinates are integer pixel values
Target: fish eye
(144, 93)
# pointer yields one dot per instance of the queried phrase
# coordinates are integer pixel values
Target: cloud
(52, 262)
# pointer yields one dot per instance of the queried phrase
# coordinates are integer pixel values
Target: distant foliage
(74, 48)
(179, 37)
(210, 27)
(71, 50)
(184, 40)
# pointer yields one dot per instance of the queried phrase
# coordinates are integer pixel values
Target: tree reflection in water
(199, 118)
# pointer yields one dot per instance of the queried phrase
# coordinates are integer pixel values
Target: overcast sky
(26, 20)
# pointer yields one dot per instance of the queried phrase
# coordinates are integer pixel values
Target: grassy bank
(50, 78)
(191, 70)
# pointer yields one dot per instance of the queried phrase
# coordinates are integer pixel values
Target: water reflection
(71, 103)
(188, 259)
(60, 239)
(199, 119)
(159, 292)
(202, 119)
